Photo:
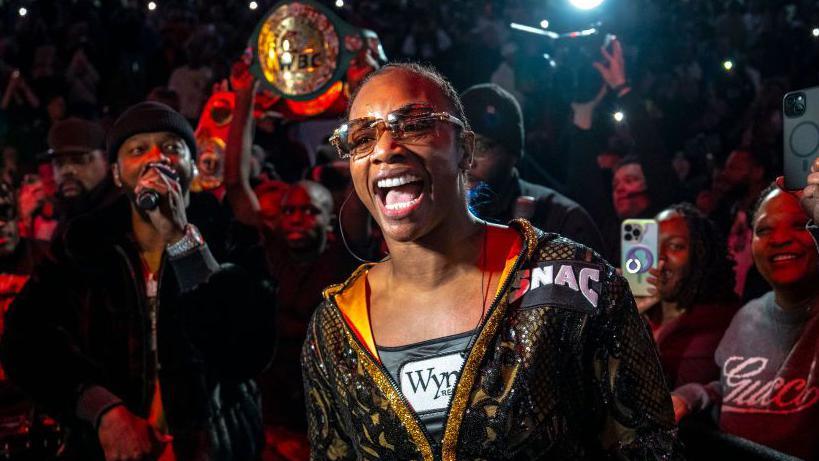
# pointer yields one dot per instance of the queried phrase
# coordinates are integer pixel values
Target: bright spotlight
(151, 6)
(252, 5)
(544, 24)
(619, 116)
(728, 64)
(339, 3)
(815, 31)
(585, 4)
(22, 11)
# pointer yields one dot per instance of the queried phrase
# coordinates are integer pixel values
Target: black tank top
(426, 373)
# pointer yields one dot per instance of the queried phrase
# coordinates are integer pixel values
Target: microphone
(148, 199)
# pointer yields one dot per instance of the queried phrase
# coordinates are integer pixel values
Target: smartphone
(639, 239)
(800, 126)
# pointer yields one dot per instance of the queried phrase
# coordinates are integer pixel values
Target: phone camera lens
(795, 105)
(637, 232)
(627, 227)
(628, 237)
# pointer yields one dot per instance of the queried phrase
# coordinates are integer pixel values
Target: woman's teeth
(399, 181)
(785, 257)
(402, 205)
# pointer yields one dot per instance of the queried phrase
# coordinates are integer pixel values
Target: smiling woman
(695, 300)
(472, 340)
(767, 390)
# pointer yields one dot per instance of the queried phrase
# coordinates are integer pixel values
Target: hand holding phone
(639, 239)
(800, 126)
(809, 199)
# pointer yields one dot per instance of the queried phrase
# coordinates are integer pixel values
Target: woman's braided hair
(711, 277)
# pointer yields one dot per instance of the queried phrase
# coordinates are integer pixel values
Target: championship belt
(302, 53)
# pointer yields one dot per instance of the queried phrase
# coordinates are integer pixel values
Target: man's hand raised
(613, 70)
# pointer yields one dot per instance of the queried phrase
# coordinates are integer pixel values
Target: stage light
(619, 116)
(22, 11)
(151, 6)
(585, 4)
(339, 3)
(252, 5)
(815, 31)
(544, 24)
(728, 65)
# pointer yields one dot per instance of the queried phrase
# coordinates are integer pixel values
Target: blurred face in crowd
(492, 164)
(209, 161)
(77, 173)
(56, 109)
(675, 250)
(210, 164)
(9, 232)
(139, 151)
(740, 170)
(410, 186)
(270, 194)
(9, 156)
(306, 210)
(335, 176)
(784, 252)
(630, 197)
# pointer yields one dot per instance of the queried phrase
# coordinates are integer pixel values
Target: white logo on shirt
(428, 384)
(746, 394)
(544, 277)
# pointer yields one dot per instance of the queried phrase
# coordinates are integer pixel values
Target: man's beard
(82, 191)
(71, 205)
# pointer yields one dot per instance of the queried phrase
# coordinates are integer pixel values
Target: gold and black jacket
(562, 367)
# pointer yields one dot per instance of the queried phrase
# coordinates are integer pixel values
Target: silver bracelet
(189, 242)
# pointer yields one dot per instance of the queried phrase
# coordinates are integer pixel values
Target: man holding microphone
(133, 335)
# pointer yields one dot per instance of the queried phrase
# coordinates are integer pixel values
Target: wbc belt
(302, 50)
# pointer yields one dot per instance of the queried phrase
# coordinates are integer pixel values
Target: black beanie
(148, 117)
(493, 112)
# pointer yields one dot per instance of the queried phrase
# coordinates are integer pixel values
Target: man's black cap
(148, 117)
(494, 113)
(74, 136)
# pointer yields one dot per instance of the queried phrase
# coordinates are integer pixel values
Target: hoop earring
(344, 238)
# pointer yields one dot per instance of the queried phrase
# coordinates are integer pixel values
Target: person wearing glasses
(471, 340)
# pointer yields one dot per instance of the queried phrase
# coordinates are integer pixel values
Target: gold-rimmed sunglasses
(356, 138)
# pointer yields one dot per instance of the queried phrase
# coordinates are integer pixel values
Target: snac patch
(574, 285)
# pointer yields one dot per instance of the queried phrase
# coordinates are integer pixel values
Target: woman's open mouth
(398, 195)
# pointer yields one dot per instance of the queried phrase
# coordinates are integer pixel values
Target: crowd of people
(266, 346)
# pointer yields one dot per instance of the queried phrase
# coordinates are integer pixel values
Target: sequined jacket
(551, 374)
